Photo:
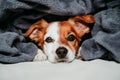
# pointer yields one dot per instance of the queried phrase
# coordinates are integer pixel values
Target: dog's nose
(61, 52)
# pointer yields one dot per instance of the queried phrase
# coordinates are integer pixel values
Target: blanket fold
(16, 16)
(13, 50)
(105, 35)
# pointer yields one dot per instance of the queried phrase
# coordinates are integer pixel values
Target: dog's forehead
(66, 27)
(56, 29)
(53, 30)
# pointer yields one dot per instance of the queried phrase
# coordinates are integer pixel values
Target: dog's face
(60, 40)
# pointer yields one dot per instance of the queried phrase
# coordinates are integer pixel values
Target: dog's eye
(71, 37)
(49, 39)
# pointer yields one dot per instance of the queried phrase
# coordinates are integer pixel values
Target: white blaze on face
(51, 47)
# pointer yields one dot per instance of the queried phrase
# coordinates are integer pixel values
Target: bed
(77, 70)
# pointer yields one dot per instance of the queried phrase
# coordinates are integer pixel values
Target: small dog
(59, 40)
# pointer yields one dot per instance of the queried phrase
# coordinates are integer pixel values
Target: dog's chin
(64, 60)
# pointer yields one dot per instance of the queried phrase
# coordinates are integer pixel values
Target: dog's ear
(36, 31)
(85, 18)
(81, 23)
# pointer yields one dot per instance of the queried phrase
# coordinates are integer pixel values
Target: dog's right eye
(49, 40)
(71, 37)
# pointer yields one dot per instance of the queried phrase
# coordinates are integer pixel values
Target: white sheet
(77, 70)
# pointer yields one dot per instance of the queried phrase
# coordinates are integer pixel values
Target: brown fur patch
(65, 30)
(37, 31)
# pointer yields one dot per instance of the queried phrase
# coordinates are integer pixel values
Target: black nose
(61, 52)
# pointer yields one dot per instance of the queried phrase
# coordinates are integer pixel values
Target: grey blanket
(16, 16)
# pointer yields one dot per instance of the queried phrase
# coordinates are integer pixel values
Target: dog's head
(60, 40)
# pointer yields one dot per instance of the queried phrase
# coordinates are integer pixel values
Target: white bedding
(77, 70)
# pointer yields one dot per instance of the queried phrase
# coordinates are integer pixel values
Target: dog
(59, 40)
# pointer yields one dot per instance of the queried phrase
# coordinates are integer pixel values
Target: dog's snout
(61, 52)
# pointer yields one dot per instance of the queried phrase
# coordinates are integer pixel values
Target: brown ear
(81, 29)
(37, 31)
(38, 25)
(81, 23)
(85, 18)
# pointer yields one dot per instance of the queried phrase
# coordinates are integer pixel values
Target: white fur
(40, 56)
(50, 48)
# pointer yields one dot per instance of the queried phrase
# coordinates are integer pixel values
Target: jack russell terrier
(59, 41)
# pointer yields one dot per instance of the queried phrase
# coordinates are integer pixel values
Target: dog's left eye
(71, 37)
(49, 39)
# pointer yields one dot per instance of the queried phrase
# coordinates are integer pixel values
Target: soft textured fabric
(77, 70)
(13, 50)
(16, 16)
(105, 36)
